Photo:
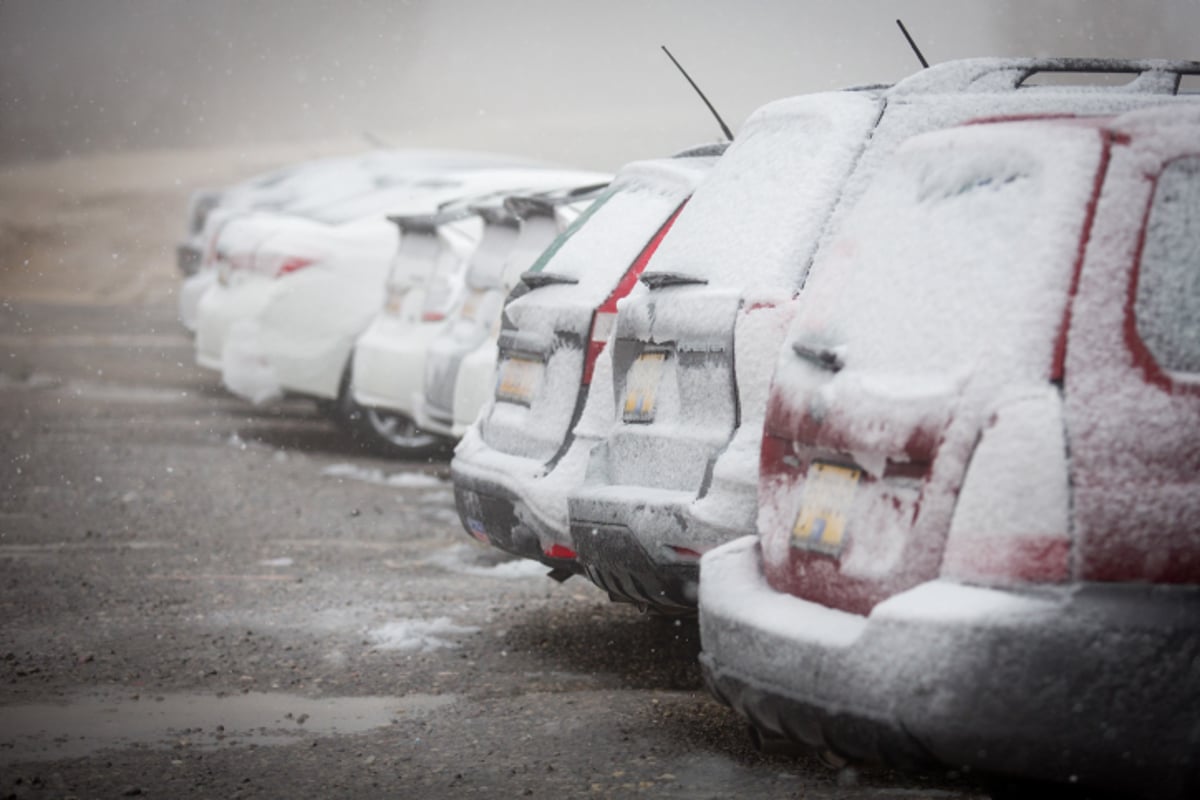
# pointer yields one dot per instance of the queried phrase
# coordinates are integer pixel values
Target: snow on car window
(1168, 293)
(598, 252)
(959, 257)
(760, 211)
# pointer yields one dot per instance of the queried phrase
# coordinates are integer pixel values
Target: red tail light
(558, 551)
(605, 316)
(290, 265)
(432, 316)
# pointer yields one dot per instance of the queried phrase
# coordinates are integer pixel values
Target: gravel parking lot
(200, 598)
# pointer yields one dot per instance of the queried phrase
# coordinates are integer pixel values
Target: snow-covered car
(297, 293)
(979, 532)
(305, 189)
(513, 467)
(424, 288)
(678, 473)
(460, 364)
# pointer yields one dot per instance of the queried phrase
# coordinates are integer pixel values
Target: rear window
(958, 259)
(601, 245)
(1167, 307)
(757, 216)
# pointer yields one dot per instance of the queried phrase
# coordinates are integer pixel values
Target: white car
(294, 293)
(425, 288)
(460, 365)
(305, 189)
(514, 467)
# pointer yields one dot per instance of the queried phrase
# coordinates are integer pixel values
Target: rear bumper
(492, 512)
(624, 548)
(219, 309)
(389, 363)
(1097, 685)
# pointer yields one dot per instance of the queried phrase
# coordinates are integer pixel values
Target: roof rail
(1151, 76)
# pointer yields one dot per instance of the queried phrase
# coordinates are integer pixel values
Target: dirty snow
(422, 635)
(396, 480)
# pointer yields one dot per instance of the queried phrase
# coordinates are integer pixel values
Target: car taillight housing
(292, 264)
(1011, 522)
(605, 317)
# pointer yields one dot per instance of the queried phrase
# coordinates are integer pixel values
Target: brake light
(602, 325)
(1011, 522)
(605, 316)
(558, 551)
(686, 553)
(293, 264)
(432, 316)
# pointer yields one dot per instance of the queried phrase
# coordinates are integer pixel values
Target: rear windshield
(959, 257)
(602, 244)
(756, 218)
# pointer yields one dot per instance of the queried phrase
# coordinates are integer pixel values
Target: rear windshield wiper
(536, 280)
(822, 357)
(657, 280)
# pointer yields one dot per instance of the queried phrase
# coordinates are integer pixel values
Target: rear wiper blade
(819, 356)
(536, 280)
(657, 280)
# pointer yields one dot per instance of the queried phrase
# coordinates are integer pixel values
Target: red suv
(979, 524)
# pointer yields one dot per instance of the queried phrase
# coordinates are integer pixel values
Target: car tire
(387, 433)
(396, 434)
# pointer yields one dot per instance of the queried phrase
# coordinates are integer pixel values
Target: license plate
(828, 496)
(518, 379)
(641, 387)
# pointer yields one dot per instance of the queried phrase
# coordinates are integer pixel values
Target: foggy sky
(575, 81)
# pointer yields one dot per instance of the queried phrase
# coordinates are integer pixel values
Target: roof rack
(1154, 76)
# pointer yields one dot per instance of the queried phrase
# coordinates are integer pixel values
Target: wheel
(387, 433)
(396, 434)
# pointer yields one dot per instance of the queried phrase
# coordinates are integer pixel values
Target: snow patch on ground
(398, 480)
(276, 562)
(459, 559)
(418, 634)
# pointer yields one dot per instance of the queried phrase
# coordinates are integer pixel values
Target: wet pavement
(201, 598)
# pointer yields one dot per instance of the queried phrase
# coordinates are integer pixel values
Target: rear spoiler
(544, 203)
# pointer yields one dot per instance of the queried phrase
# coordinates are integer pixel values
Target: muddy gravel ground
(204, 599)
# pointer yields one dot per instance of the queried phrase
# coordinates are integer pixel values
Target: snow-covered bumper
(623, 540)
(1098, 685)
(492, 506)
(220, 308)
(451, 412)
(389, 363)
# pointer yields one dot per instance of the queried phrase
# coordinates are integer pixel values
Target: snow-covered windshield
(763, 207)
(488, 259)
(959, 257)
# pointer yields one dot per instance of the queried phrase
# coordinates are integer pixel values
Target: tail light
(1011, 522)
(287, 265)
(559, 551)
(432, 316)
(606, 315)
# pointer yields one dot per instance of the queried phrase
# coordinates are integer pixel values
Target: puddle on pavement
(89, 723)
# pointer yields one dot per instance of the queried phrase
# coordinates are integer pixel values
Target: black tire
(386, 432)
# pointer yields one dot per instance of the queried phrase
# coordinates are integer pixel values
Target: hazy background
(576, 81)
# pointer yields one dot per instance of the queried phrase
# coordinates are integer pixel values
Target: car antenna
(724, 128)
(913, 45)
